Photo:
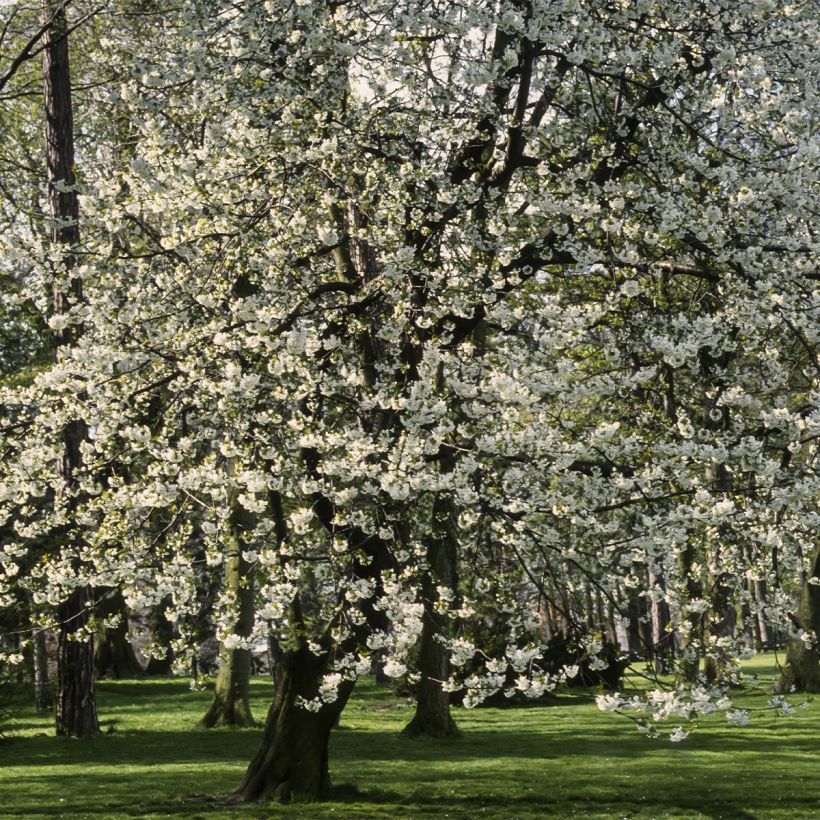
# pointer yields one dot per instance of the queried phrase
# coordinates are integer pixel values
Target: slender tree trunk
(723, 616)
(801, 671)
(42, 694)
(76, 706)
(636, 631)
(762, 632)
(690, 661)
(433, 717)
(231, 703)
(662, 642)
(293, 757)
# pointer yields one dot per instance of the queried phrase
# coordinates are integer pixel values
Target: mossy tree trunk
(231, 703)
(293, 757)
(801, 672)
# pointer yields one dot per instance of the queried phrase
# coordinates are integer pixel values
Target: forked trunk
(293, 757)
(801, 672)
(76, 703)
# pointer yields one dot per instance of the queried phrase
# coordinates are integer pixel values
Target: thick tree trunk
(801, 671)
(42, 694)
(231, 703)
(293, 757)
(114, 656)
(76, 704)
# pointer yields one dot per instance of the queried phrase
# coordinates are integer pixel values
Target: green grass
(565, 760)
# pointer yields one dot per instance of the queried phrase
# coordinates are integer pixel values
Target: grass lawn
(565, 760)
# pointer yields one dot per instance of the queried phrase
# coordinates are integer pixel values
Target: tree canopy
(438, 314)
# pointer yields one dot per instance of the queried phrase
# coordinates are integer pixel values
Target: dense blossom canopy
(539, 275)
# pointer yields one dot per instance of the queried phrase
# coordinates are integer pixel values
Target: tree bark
(76, 702)
(161, 633)
(76, 706)
(662, 638)
(801, 671)
(433, 717)
(231, 703)
(293, 757)
(42, 694)
(762, 636)
(114, 654)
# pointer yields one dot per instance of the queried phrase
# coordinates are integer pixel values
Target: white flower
(608, 703)
(738, 717)
(393, 668)
(630, 288)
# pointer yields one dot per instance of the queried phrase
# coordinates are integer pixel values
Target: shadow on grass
(138, 747)
(529, 763)
(423, 800)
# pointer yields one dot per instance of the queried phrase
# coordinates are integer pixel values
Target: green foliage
(558, 761)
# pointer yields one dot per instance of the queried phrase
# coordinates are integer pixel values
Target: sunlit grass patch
(562, 760)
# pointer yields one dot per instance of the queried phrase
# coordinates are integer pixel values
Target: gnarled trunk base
(433, 718)
(231, 705)
(292, 760)
(801, 672)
